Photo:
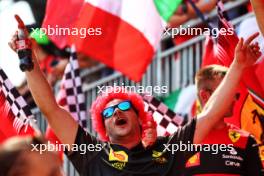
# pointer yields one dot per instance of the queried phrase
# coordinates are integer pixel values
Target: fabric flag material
(249, 109)
(15, 115)
(182, 101)
(222, 52)
(58, 18)
(167, 120)
(122, 34)
(128, 33)
(167, 8)
(71, 96)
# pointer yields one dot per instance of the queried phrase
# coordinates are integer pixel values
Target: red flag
(249, 109)
(222, 53)
(114, 33)
(15, 115)
(60, 15)
(70, 96)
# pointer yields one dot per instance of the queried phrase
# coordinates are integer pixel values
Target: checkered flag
(71, 95)
(167, 120)
(13, 108)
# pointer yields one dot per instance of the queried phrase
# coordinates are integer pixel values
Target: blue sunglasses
(123, 106)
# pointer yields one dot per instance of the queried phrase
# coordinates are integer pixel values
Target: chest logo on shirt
(234, 136)
(158, 158)
(194, 160)
(118, 156)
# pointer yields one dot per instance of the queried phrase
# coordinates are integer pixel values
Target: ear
(204, 96)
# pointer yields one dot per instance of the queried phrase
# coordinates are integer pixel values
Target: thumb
(240, 44)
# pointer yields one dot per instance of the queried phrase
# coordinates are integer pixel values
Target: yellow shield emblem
(234, 136)
(118, 156)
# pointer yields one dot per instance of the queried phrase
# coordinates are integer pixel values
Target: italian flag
(124, 34)
(182, 101)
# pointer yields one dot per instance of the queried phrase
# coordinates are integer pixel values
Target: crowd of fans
(120, 119)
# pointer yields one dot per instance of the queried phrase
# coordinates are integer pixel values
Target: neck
(127, 142)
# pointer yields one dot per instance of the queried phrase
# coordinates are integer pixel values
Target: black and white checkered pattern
(71, 95)
(167, 120)
(18, 106)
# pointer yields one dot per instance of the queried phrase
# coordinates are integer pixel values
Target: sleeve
(253, 165)
(84, 149)
(184, 134)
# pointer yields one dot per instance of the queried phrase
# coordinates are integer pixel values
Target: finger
(149, 124)
(19, 21)
(240, 44)
(254, 48)
(256, 45)
(14, 37)
(10, 45)
(251, 38)
(259, 55)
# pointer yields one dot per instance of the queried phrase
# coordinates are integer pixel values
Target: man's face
(214, 84)
(122, 124)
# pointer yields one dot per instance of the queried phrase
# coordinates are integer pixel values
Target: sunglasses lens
(108, 112)
(124, 105)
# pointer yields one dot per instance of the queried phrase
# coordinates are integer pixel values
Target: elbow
(49, 111)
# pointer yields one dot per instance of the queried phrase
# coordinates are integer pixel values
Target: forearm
(177, 20)
(258, 6)
(224, 95)
(40, 89)
(219, 103)
(203, 6)
(59, 119)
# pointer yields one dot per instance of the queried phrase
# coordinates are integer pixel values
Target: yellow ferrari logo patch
(234, 136)
(118, 156)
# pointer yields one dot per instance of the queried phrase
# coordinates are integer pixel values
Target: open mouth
(120, 121)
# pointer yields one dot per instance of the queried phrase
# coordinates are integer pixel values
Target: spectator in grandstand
(241, 156)
(258, 7)
(185, 11)
(120, 120)
(19, 157)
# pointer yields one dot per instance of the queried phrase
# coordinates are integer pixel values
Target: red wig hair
(117, 92)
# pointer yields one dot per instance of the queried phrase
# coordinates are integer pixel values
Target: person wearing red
(240, 157)
(120, 121)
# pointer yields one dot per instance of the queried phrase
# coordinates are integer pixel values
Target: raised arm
(258, 6)
(59, 119)
(246, 54)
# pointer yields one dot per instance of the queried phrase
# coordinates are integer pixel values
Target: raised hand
(247, 53)
(150, 135)
(13, 43)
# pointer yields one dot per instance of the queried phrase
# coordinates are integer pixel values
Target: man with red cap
(120, 120)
